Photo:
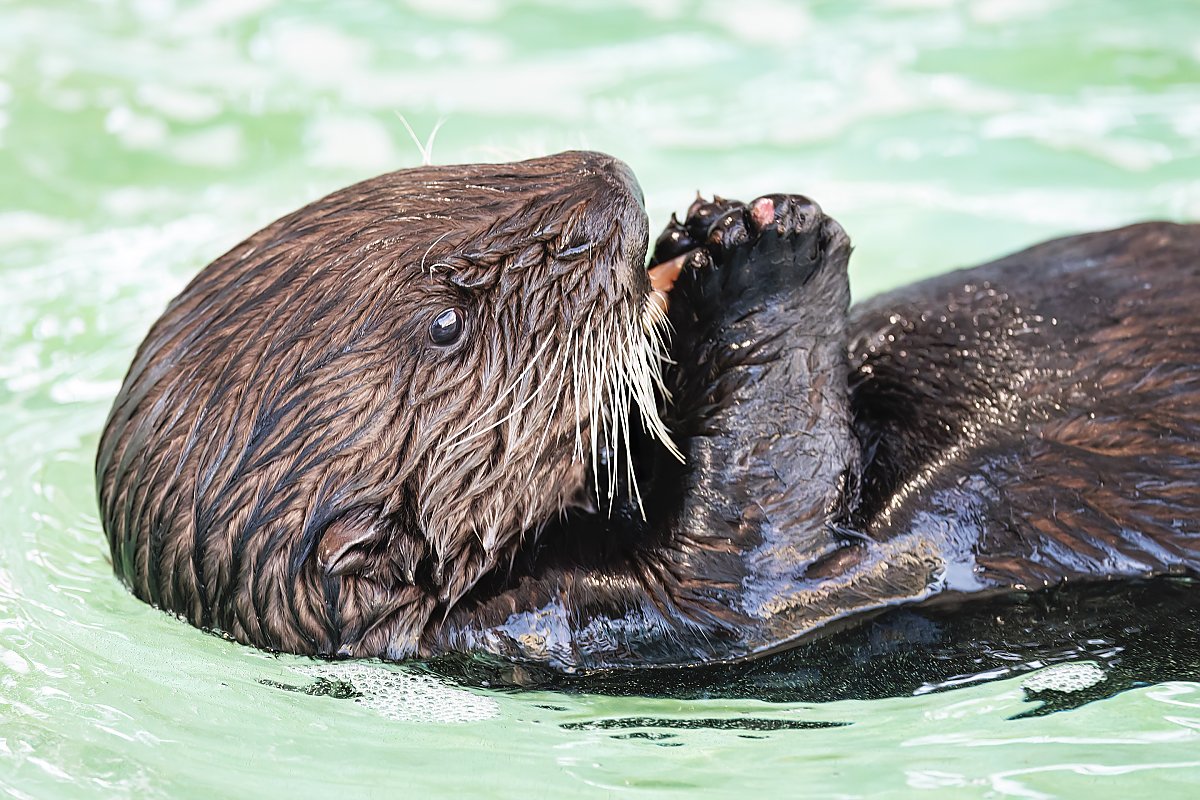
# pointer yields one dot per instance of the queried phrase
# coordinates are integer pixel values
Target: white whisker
(426, 149)
(429, 249)
(562, 374)
(521, 406)
(496, 403)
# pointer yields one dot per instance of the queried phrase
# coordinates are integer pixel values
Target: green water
(140, 139)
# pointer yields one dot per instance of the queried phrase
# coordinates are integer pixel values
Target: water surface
(139, 139)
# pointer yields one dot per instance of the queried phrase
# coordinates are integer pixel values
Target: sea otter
(452, 410)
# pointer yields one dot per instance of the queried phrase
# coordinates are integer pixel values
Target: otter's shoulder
(1118, 257)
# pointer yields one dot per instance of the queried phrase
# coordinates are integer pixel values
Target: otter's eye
(446, 327)
(575, 248)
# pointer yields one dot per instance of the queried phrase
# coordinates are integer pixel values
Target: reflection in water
(1127, 635)
(694, 723)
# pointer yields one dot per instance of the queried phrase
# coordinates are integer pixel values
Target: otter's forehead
(562, 179)
(571, 211)
(576, 204)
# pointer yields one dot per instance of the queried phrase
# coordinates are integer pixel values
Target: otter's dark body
(1040, 414)
(287, 460)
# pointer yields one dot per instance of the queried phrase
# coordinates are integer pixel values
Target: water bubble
(406, 696)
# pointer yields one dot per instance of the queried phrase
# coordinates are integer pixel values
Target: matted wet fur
(292, 461)
(434, 413)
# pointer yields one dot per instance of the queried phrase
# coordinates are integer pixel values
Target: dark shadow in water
(657, 729)
(321, 687)
(1137, 633)
(732, 724)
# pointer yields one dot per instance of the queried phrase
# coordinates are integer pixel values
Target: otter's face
(345, 422)
(540, 341)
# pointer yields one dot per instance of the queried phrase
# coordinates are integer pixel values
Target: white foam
(406, 696)
(1065, 678)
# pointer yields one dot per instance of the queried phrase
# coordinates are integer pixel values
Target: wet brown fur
(291, 392)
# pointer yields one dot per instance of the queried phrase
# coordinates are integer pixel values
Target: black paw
(725, 228)
(732, 254)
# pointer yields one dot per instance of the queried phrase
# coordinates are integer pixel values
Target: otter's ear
(348, 543)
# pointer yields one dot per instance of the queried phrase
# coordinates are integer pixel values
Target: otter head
(340, 426)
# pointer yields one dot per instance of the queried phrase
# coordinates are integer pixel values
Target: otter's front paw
(739, 253)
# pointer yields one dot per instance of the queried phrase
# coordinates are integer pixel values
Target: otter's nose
(613, 171)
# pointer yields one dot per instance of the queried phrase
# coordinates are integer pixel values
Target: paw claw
(729, 231)
(701, 216)
(795, 213)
